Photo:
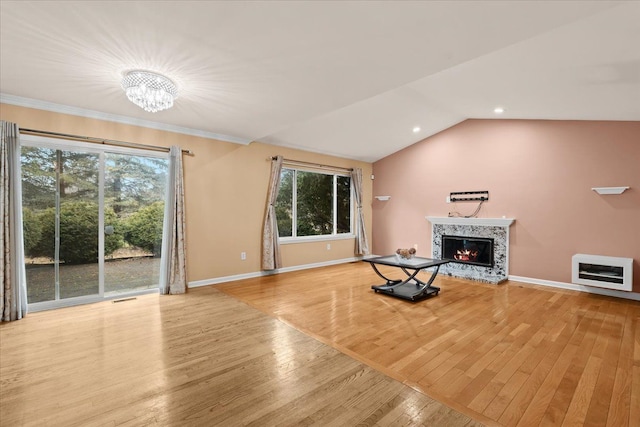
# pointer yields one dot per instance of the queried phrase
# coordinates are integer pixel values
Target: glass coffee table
(411, 288)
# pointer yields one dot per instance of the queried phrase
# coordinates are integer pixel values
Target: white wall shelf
(382, 198)
(609, 190)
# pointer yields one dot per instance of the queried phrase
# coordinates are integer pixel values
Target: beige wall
(225, 191)
(538, 172)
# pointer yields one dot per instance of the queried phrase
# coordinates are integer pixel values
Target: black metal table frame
(411, 288)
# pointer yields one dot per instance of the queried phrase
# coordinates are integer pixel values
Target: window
(313, 204)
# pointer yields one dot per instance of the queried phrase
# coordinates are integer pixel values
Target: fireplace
(496, 229)
(468, 250)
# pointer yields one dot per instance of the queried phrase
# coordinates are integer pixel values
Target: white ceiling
(345, 78)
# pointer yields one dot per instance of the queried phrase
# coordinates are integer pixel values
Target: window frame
(294, 208)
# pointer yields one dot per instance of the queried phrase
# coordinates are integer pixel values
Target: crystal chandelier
(149, 91)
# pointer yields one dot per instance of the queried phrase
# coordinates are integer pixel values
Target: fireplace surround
(496, 229)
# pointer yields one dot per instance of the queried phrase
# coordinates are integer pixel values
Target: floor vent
(123, 299)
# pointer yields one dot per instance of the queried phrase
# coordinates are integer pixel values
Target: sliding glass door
(92, 220)
(60, 203)
(134, 212)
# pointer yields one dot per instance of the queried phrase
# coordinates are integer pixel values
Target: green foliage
(314, 203)
(144, 228)
(284, 204)
(31, 230)
(343, 204)
(133, 181)
(45, 169)
(113, 242)
(129, 183)
(78, 233)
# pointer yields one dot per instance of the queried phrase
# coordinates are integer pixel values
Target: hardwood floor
(518, 354)
(203, 358)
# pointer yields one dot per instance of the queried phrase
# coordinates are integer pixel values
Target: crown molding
(92, 114)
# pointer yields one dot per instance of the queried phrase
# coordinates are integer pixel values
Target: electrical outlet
(448, 199)
(243, 256)
(328, 246)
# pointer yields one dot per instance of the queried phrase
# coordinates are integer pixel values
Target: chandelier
(150, 91)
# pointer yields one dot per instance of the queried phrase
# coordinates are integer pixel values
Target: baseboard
(562, 285)
(235, 277)
(580, 288)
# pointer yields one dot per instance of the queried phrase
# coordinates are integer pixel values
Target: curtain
(173, 270)
(362, 245)
(13, 289)
(270, 245)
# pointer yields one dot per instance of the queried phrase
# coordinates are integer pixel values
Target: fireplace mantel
(486, 222)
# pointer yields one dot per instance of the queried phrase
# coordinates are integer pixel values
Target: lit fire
(466, 255)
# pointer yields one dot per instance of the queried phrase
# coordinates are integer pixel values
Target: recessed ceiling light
(498, 110)
(416, 129)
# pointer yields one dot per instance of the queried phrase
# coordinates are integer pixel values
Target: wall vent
(602, 271)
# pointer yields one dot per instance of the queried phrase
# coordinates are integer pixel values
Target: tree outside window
(313, 204)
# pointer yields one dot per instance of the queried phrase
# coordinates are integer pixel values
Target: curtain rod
(98, 140)
(317, 165)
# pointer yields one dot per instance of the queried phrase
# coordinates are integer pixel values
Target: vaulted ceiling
(350, 79)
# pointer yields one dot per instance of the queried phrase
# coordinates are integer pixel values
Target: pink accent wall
(538, 172)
